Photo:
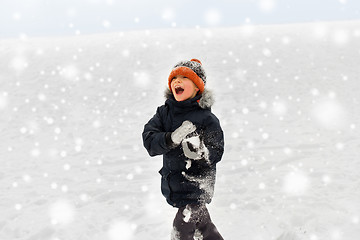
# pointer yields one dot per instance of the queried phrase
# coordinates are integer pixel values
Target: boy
(191, 141)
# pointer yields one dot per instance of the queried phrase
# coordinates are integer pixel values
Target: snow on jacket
(185, 180)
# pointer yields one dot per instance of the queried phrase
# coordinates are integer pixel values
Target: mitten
(181, 132)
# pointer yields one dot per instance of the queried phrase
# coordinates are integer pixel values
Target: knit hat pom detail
(196, 60)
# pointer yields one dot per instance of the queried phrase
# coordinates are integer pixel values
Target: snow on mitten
(181, 132)
(194, 148)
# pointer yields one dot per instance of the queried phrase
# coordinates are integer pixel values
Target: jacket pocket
(165, 187)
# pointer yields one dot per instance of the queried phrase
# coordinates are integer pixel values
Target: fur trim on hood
(206, 101)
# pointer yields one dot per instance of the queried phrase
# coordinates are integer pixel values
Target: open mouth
(179, 90)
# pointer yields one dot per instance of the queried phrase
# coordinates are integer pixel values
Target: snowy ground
(72, 110)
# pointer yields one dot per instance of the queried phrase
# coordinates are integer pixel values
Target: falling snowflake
(19, 63)
(267, 5)
(279, 108)
(16, 16)
(212, 17)
(125, 53)
(3, 101)
(70, 72)
(142, 79)
(106, 24)
(340, 37)
(62, 212)
(329, 113)
(320, 30)
(168, 14)
(266, 52)
(121, 230)
(296, 183)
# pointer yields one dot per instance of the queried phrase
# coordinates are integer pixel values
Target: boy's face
(183, 88)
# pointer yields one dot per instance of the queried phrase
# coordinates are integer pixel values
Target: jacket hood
(206, 100)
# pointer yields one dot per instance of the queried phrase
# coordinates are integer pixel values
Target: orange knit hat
(191, 69)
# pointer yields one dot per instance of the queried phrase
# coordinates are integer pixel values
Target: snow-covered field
(72, 111)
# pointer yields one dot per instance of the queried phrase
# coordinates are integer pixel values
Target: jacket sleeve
(155, 139)
(214, 139)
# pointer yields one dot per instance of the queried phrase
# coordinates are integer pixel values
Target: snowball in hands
(181, 132)
(194, 148)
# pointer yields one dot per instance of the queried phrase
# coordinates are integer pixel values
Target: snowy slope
(72, 110)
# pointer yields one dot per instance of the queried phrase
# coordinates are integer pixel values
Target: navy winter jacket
(184, 180)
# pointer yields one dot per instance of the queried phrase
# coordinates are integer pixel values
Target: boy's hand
(181, 132)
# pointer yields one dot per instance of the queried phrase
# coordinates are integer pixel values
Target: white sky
(69, 17)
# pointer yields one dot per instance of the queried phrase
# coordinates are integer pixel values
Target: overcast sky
(70, 17)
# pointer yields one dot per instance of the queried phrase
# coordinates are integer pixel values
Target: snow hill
(72, 111)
